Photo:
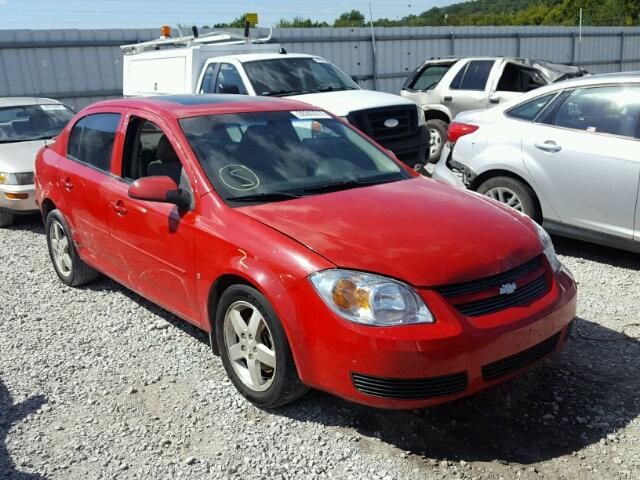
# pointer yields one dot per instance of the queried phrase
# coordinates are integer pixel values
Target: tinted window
(92, 138)
(290, 76)
(228, 76)
(474, 76)
(531, 109)
(32, 122)
(286, 154)
(613, 110)
(209, 79)
(430, 76)
(515, 78)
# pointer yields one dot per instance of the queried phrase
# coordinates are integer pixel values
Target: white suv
(565, 154)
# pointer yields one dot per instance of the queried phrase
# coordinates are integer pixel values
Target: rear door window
(516, 78)
(209, 78)
(91, 140)
(531, 109)
(430, 76)
(229, 77)
(473, 76)
(613, 110)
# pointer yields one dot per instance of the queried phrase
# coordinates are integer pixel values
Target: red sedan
(311, 256)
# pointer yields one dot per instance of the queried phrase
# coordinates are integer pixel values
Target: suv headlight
(16, 178)
(370, 299)
(422, 120)
(549, 249)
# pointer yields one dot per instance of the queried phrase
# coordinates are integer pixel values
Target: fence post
(519, 38)
(573, 48)
(453, 43)
(622, 50)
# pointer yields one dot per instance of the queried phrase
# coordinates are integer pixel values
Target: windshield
(271, 156)
(32, 122)
(295, 76)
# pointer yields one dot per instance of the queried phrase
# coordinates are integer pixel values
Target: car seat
(167, 163)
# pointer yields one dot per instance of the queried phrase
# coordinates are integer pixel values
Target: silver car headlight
(370, 299)
(549, 249)
(16, 178)
(422, 120)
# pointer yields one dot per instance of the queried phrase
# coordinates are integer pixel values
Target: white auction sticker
(52, 107)
(310, 114)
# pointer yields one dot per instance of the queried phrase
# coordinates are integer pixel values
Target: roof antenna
(194, 29)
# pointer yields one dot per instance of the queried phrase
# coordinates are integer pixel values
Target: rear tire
(437, 138)
(6, 218)
(66, 262)
(254, 348)
(513, 193)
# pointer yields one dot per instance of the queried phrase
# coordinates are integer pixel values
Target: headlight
(370, 299)
(549, 250)
(421, 118)
(16, 178)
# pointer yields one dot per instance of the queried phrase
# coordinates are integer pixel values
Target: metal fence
(82, 66)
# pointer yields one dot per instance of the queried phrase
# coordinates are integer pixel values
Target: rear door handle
(548, 146)
(119, 207)
(66, 183)
(448, 99)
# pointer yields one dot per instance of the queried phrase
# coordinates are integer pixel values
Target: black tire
(440, 127)
(525, 193)
(80, 273)
(6, 218)
(286, 386)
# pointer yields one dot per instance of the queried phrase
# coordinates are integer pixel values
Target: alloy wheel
(60, 248)
(435, 142)
(506, 196)
(249, 345)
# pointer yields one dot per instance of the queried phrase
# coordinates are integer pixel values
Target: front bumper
(410, 150)
(435, 363)
(20, 199)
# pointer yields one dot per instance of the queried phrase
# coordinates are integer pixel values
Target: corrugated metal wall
(82, 66)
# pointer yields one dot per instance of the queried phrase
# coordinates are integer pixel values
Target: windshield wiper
(334, 89)
(265, 197)
(282, 93)
(347, 184)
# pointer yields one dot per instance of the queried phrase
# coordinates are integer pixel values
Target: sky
(49, 14)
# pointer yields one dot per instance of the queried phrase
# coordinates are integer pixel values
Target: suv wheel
(254, 348)
(437, 138)
(68, 265)
(6, 218)
(512, 193)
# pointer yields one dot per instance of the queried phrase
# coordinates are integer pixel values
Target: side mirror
(161, 189)
(230, 89)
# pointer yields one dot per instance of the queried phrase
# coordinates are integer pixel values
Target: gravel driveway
(98, 383)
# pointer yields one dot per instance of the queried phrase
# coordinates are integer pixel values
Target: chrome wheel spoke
(506, 196)
(236, 352)
(66, 261)
(255, 372)
(254, 323)
(265, 355)
(238, 323)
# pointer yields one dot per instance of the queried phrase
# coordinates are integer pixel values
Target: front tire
(6, 218)
(254, 348)
(66, 262)
(437, 138)
(513, 193)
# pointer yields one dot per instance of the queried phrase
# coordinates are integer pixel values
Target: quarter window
(611, 109)
(473, 76)
(209, 79)
(430, 76)
(91, 140)
(531, 109)
(228, 78)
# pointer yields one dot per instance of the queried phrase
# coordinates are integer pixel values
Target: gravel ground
(98, 383)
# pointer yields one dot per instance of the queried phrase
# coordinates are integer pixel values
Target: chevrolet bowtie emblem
(508, 288)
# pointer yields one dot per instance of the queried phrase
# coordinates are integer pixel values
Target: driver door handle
(548, 146)
(448, 98)
(119, 207)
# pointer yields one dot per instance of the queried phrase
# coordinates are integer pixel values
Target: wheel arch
(433, 114)
(47, 207)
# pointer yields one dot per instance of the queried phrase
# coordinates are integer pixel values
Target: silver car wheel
(249, 346)
(435, 142)
(60, 248)
(506, 196)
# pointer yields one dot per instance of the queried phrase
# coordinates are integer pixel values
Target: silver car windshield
(32, 122)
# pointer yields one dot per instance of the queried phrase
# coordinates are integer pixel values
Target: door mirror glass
(161, 189)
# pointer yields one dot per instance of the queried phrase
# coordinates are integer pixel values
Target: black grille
(520, 360)
(521, 296)
(490, 282)
(372, 121)
(411, 389)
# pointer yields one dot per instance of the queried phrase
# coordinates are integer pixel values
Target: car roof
(22, 101)
(251, 57)
(180, 106)
(588, 80)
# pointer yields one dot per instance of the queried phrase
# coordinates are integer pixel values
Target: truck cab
(222, 63)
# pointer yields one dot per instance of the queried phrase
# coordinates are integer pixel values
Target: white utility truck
(221, 62)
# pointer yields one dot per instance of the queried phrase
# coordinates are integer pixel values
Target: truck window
(91, 140)
(209, 78)
(430, 76)
(473, 76)
(229, 79)
(516, 78)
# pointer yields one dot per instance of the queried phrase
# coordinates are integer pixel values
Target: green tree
(300, 22)
(354, 18)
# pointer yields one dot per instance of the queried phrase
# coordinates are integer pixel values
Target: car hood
(344, 102)
(19, 156)
(419, 231)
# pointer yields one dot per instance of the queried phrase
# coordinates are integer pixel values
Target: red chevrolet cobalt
(310, 254)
